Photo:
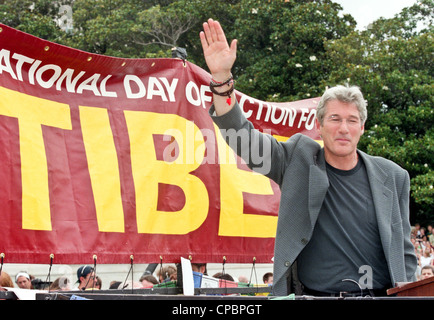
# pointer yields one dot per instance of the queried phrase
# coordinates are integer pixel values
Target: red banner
(117, 157)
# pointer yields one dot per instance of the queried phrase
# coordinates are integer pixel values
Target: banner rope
(223, 273)
(47, 280)
(94, 272)
(132, 275)
(251, 272)
(164, 276)
(2, 256)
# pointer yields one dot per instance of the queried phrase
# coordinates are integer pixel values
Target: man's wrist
(221, 76)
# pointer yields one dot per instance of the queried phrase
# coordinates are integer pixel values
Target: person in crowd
(199, 267)
(6, 280)
(61, 284)
(98, 283)
(129, 285)
(268, 278)
(426, 258)
(323, 189)
(115, 284)
(23, 280)
(427, 271)
(167, 273)
(430, 235)
(223, 276)
(86, 278)
(148, 281)
(416, 230)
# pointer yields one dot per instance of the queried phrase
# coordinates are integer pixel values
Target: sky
(367, 11)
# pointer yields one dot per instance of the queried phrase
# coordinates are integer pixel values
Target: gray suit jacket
(298, 167)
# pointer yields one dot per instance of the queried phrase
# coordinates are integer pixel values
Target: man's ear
(318, 127)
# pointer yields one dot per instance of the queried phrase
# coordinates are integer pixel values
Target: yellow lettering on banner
(32, 112)
(233, 182)
(103, 168)
(148, 172)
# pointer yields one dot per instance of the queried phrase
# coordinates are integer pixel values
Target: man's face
(88, 280)
(24, 283)
(426, 273)
(341, 129)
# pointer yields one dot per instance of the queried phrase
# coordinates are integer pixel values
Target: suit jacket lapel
(382, 198)
(318, 185)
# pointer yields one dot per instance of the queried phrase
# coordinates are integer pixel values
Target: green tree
(282, 54)
(106, 27)
(35, 17)
(141, 29)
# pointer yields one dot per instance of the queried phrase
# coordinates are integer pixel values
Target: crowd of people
(423, 241)
(87, 279)
(422, 238)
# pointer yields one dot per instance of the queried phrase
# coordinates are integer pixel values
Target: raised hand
(218, 55)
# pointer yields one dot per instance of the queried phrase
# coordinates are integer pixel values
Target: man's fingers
(233, 47)
(212, 27)
(219, 33)
(203, 40)
(207, 31)
(214, 32)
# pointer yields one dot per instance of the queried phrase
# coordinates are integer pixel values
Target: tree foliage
(282, 52)
(288, 50)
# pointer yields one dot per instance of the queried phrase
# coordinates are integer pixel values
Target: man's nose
(343, 126)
